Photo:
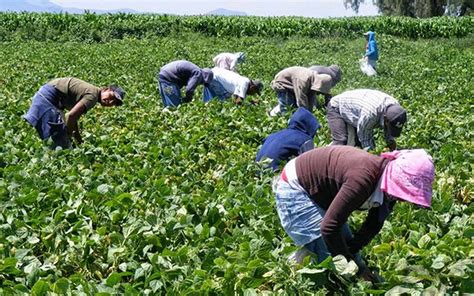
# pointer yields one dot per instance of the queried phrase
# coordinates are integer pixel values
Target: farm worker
(371, 51)
(175, 75)
(229, 61)
(298, 87)
(318, 191)
(334, 71)
(77, 96)
(363, 110)
(292, 141)
(226, 84)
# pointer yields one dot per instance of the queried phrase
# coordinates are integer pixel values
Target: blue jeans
(215, 90)
(301, 218)
(170, 93)
(286, 98)
(45, 116)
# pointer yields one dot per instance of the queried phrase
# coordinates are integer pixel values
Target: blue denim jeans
(301, 218)
(215, 90)
(45, 116)
(170, 93)
(286, 98)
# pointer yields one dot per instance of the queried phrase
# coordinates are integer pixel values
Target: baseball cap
(396, 116)
(119, 94)
(241, 56)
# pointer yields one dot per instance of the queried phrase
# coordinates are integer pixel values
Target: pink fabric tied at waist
(283, 176)
(409, 176)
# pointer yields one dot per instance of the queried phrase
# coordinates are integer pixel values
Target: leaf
(382, 249)
(40, 288)
(440, 261)
(459, 268)
(310, 271)
(250, 292)
(343, 267)
(156, 285)
(399, 290)
(113, 279)
(198, 229)
(61, 286)
(424, 241)
(103, 188)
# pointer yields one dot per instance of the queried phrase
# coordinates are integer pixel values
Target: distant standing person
(364, 110)
(175, 75)
(334, 71)
(226, 84)
(371, 51)
(229, 61)
(319, 190)
(292, 141)
(77, 96)
(298, 87)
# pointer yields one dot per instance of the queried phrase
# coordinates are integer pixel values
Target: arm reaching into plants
(72, 120)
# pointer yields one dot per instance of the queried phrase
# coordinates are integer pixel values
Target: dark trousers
(338, 127)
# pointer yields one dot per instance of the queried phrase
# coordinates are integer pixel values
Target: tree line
(418, 8)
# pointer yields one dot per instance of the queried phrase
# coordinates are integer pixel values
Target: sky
(309, 8)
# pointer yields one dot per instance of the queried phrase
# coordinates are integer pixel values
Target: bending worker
(320, 189)
(77, 96)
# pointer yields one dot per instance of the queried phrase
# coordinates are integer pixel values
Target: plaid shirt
(364, 109)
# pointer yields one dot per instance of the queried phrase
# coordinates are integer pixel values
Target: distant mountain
(222, 11)
(47, 6)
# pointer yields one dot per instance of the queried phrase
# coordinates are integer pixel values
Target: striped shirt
(364, 109)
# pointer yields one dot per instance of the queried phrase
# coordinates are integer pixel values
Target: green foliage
(171, 202)
(101, 28)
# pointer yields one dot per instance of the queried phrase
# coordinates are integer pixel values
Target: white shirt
(290, 171)
(376, 198)
(226, 60)
(231, 81)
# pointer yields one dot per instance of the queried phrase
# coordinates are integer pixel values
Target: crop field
(159, 201)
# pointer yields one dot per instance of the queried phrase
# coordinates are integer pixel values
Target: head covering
(409, 176)
(322, 83)
(207, 75)
(241, 56)
(370, 35)
(396, 116)
(258, 85)
(292, 141)
(119, 94)
(304, 121)
(337, 73)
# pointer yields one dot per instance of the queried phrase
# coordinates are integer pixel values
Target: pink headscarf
(409, 176)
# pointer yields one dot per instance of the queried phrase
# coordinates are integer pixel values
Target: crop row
(100, 28)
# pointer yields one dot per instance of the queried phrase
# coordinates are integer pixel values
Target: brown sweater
(304, 83)
(340, 179)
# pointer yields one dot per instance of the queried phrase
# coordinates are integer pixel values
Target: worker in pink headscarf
(319, 190)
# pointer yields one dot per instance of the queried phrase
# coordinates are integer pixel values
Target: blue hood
(303, 120)
(371, 51)
(371, 35)
(287, 143)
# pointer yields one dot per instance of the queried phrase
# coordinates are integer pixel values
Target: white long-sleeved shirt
(364, 109)
(232, 82)
(226, 60)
